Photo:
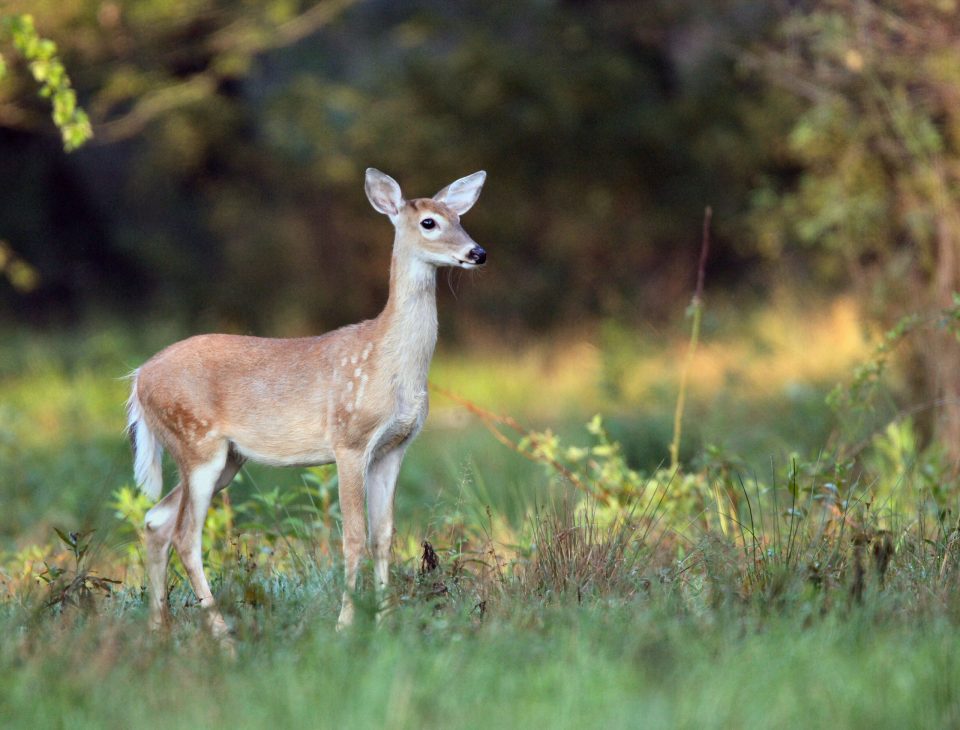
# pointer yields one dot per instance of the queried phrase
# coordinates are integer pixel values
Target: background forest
(221, 189)
(772, 486)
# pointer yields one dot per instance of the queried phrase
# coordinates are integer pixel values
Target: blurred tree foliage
(877, 145)
(47, 70)
(225, 183)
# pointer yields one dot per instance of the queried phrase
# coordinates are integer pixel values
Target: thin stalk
(696, 313)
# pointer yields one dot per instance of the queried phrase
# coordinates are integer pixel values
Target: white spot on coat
(361, 388)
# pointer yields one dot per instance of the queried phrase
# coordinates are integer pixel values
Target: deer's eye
(428, 223)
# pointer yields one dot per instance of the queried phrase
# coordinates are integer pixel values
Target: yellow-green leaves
(21, 275)
(48, 71)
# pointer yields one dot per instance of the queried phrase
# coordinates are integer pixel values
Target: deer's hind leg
(203, 476)
(160, 524)
(158, 527)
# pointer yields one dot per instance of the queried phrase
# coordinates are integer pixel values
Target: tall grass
(566, 580)
(587, 625)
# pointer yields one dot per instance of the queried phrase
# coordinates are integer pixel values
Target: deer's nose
(477, 255)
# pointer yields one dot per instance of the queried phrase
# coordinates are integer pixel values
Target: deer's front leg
(381, 487)
(350, 470)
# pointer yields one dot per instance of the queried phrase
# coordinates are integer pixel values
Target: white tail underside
(147, 468)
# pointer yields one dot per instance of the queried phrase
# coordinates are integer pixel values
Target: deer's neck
(410, 322)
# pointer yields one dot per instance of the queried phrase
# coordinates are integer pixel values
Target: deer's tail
(147, 450)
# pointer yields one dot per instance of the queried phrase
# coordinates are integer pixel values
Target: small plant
(430, 577)
(856, 402)
(77, 587)
(130, 507)
(306, 513)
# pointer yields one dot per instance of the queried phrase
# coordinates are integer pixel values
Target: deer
(355, 396)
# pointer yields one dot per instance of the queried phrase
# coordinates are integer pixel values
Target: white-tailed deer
(356, 396)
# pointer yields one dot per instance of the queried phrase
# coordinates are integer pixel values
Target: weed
(78, 585)
(695, 312)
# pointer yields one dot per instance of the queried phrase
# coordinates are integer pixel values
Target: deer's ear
(460, 195)
(383, 192)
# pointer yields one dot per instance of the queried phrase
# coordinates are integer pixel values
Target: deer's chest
(404, 422)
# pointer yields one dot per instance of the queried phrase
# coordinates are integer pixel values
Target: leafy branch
(233, 46)
(48, 71)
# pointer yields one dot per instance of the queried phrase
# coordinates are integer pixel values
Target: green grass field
(778, 580)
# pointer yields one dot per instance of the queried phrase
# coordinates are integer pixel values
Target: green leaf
(65, 538)
(595, 426)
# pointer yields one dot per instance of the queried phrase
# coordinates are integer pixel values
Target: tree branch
(236, 38)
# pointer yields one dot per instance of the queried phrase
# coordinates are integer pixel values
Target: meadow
(798, 567)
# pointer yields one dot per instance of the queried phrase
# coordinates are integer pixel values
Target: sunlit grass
(768, 352)
(760, 353)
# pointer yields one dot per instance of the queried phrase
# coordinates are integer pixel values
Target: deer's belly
(288, 454)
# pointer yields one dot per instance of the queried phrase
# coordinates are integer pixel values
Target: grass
(679, 652)
(751, 589)
(625, 667)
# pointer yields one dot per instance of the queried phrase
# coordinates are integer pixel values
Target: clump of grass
(574, 555)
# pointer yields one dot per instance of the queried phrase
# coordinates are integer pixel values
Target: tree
(232, 138)
(878, 149)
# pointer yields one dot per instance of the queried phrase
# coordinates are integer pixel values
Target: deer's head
(429, 228)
